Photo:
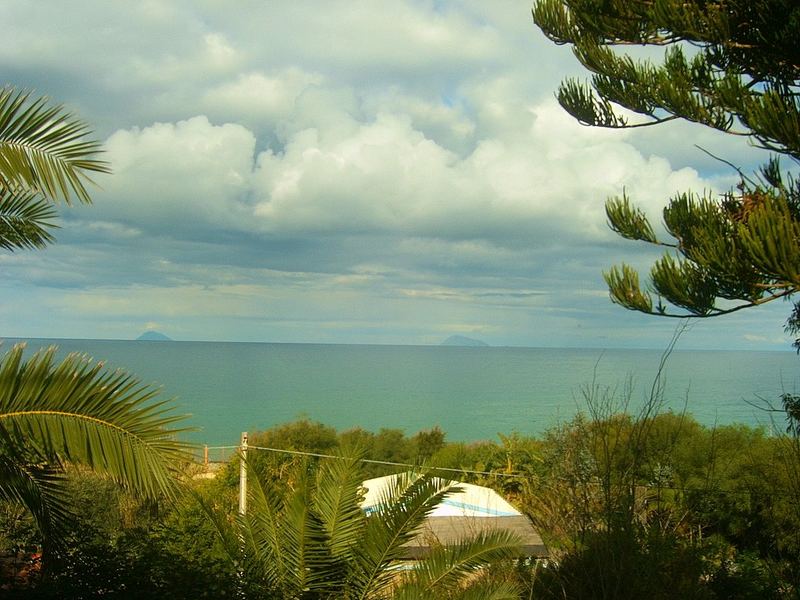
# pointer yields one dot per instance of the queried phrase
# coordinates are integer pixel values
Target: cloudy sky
(341, 172)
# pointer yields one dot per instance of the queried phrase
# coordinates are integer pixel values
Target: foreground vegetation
(631, 506)
(72, 413)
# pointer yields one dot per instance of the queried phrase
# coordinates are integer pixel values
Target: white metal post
(243, 475)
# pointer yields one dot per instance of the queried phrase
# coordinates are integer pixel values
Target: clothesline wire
(367, 460)
(448, 469)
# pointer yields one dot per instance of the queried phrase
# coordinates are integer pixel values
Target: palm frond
(284, 539)
(44, 148)
(401, 511)
(229, 536)
(445, 566)
(480, 589)
(337, 501)
(285, 543)
(261, 529)
(25, 218)
(489, 590)
(238, 543)
(77, 412)
(306, 542)
(42, 490)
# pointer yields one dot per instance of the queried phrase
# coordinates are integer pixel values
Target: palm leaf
(44, 148)
(40, 489)
(77, 412)
(305, 543)
(401, 511)
(285, 540)
(489, 590)
(239, 544)
(446, 566)
(481, 589)
(337, 502)
(229, 536)
(261, 528)
(25, 218)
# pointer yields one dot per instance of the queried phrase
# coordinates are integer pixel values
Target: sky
(379, 172)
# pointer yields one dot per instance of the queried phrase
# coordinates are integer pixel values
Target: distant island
(461, 340)
(154, 336)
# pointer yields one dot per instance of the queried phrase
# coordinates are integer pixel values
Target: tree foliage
(73, 411)
(45, 157)
(123, 547)
(636, 504)
(313, 540)
(734, 66)
(76, 412)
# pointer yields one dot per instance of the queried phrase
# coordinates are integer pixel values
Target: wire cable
(368, 460)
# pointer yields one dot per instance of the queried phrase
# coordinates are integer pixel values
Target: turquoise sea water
(471, 393)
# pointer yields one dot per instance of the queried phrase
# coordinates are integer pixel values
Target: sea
(471, 393)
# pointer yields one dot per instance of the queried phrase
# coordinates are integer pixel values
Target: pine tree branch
(718, 312)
